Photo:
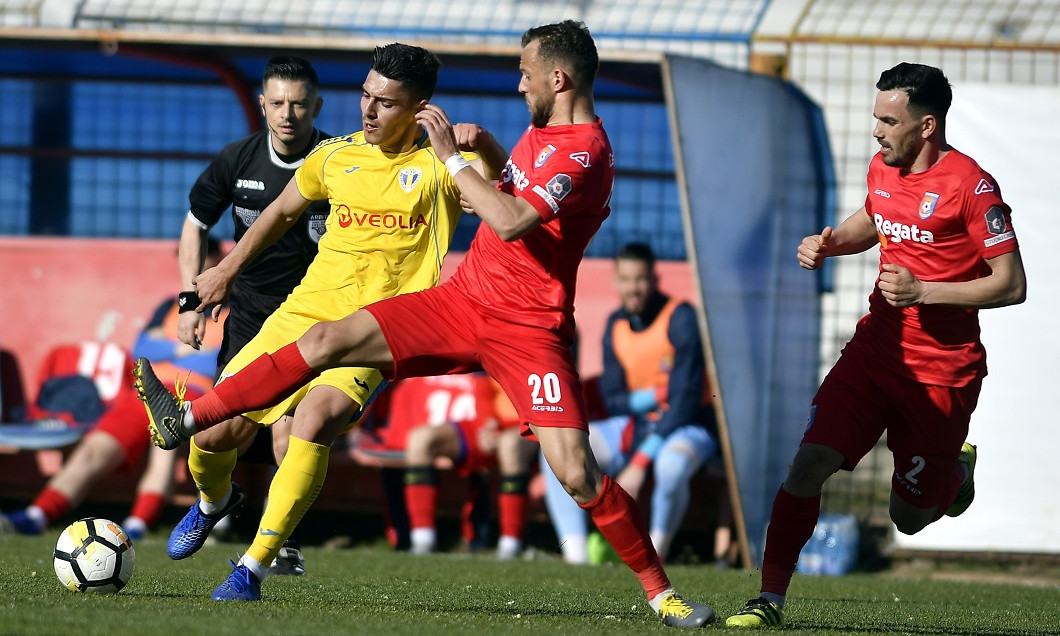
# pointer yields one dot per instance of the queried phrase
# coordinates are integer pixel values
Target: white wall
(1012, 132)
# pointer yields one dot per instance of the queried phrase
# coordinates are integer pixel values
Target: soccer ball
(94, 555)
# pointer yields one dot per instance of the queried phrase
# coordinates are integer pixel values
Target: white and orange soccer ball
(94, 555)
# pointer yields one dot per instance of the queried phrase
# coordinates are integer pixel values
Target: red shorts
(440, 331)
(925, 424)
(473, 458)
(126, 422)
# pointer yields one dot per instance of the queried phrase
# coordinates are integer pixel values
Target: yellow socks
(212, 473)
(294, 488)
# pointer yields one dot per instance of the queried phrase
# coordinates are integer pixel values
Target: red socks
(262, 383)
(421, 501)
(617, 517)
(791, 525)
(513, 514)
(52, 503)
(513, 502)
(148, 507)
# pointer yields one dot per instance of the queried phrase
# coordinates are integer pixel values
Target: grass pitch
(376, 591)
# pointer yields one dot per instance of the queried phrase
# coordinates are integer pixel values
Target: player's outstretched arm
(854, 235)
(214, 285)
(510, 217)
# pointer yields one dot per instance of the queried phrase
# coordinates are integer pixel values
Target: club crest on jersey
(543, 156)
(984, 186)
(408, 178)
(927, 204)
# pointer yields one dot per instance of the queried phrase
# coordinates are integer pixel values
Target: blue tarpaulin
(756, 177)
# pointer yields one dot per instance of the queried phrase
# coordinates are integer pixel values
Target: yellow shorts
(285, 326)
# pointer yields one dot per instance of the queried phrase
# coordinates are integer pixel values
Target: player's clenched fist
(899, 286)
(813, 249)
(472, 136)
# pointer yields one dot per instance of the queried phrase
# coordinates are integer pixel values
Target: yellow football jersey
(392, 217)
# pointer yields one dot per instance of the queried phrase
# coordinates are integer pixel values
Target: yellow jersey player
(394, 208)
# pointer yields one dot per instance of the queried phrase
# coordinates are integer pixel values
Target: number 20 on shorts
(544, 388)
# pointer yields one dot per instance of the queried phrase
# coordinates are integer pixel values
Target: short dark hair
(415, 67)
(637, 252)
(290, 68)
(571, 43)
(928, 89)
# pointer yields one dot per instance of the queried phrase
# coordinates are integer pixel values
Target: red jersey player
(463, 421)
(450, 416)
(915, 364)
(508, 309)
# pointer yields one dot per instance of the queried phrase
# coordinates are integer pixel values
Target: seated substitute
(462, 418)
(654, 387)
(121, 436)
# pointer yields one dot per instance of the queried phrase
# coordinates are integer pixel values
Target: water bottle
(811, 559)
(841, 545)
(833, 547)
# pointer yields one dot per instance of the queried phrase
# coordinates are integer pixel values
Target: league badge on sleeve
(995, 221)
(559, 186)
(997, 226)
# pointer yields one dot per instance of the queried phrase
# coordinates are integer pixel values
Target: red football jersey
(942, 224)
(107, 364)
(566, 173)
(436, 400)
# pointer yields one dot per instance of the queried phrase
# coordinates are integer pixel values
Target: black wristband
(187, 301)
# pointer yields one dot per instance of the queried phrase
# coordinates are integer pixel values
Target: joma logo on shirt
(250, 184)
(386, 221)
(899, 232)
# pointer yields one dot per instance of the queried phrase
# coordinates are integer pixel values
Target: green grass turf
(376, 591)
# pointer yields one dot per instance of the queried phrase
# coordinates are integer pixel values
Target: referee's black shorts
(246, 312)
